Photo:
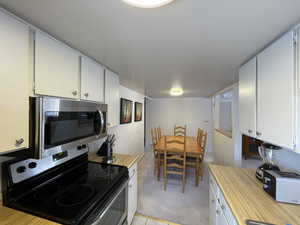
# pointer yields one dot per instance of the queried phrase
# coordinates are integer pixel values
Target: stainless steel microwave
(59, 124)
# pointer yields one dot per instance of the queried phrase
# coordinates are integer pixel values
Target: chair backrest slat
(180, 130)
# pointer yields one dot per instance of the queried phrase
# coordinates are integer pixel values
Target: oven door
(66, 124)
(115, 210)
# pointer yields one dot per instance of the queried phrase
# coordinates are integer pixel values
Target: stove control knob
(32, 165)
(21, 169)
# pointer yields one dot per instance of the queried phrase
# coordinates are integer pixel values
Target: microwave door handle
(102, 121)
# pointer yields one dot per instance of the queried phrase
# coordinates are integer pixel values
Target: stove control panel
(28, 168)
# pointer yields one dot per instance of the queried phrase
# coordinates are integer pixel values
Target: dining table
(192, 149)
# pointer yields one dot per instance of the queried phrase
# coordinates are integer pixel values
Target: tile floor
(190, 208)
(142, 220)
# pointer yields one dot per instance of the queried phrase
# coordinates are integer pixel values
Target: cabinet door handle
(223, 207)
(249, 131)
(213, 201)
(86, 95)
(19, 141)
(74, 93)
(218, 212)
(258, 133)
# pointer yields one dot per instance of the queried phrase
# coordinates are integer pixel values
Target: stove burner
(75, 196)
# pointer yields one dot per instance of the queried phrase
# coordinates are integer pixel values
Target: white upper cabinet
(112, 98)
(247, 98)
(276, 92)
(56, 68)
(92, 80)
(14, 86)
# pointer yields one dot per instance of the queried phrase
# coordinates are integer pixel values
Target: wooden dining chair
(175, 160)
(202, 143)
(180, 130)
(196, 161)
(154, 143)
(159, 134)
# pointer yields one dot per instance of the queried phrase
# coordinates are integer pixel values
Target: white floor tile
(138, 220)
(153, 222)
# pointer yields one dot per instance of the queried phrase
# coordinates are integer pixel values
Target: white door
(276, 92)
(92, 80)
(112, 98)
(56, 68)
(14, 86)
(247, 98)
(132, 198)
(212, 207)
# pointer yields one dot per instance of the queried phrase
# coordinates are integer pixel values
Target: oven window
(116, 212)
(64, 127)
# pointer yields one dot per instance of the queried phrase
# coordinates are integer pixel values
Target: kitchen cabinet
(14, 88)
(212, 207)
(132, 193)
(56, 68)
(276, 93)
(247, 98)
(112, 98)
(219, 211)
(92, 80)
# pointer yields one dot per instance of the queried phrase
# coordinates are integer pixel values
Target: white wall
(228, 151)
(193, 112)
(129, 137)
(223, 149)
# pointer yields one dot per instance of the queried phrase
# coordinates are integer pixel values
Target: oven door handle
(107, 207)
(102, 121)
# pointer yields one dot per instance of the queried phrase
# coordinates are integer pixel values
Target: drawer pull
(74, 93)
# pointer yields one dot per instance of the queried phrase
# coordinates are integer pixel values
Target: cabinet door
(112, 98)
(14, 88)
(92, 80)
(221, 219)
(212, 207)
(56, 68)
(276, 92)
(247, 98)
(132, 198)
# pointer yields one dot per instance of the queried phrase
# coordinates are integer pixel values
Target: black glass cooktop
(68, 198)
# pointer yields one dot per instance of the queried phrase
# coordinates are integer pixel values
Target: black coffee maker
(266, 153)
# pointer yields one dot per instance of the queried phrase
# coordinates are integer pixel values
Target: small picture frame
(138, 111)
(126, 111)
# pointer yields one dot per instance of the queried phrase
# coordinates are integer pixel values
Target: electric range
(77, 192)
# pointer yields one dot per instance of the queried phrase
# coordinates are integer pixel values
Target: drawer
(132, 170)
(226, 210)
(213, 184)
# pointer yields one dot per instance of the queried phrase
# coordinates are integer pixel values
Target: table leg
(158, 166)
(197, 171)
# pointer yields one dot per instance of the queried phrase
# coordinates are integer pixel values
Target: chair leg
(183, 181)
(197, 171)
(201, 170)
(165, 173)
(158, 167)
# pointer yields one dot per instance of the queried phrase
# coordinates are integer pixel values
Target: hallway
(190, 208)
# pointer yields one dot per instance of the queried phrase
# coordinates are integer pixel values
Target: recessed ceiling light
(176, 91)
(148, 3)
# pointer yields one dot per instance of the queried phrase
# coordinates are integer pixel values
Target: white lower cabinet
(219, 211)
(132, 193)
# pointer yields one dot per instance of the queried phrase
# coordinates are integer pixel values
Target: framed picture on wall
(126, 111)
(138, 111)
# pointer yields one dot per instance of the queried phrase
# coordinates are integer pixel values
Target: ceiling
(195, 44)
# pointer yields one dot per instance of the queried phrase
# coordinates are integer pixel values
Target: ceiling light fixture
(148, 3)
(176, 91)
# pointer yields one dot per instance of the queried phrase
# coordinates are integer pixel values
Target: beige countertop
(119, 159)
(247, 199)
(14, 217)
